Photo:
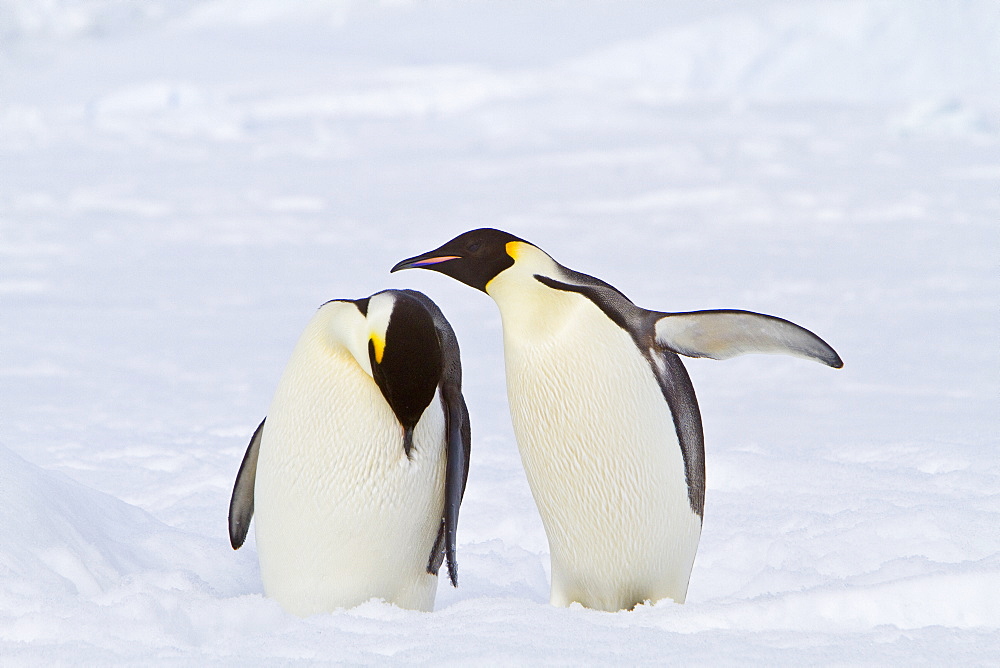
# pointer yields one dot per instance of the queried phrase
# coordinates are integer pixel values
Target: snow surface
(183, 181)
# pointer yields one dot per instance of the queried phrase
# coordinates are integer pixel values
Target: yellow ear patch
(379, 344)
(514, 248)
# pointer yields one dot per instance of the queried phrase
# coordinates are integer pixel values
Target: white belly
(342, 515)
(602, 459)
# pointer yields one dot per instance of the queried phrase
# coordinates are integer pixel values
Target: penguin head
(405, 356)
(474, 258)
(395, 340)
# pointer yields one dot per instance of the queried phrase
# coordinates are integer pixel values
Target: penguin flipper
(459, 435)
(241, 504)
(723, 334)
(678, 392)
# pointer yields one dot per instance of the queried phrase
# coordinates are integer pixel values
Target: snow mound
(64, 540)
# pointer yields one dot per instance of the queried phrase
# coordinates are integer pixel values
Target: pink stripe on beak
(435, 260)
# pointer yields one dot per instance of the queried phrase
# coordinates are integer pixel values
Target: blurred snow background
(183, 181)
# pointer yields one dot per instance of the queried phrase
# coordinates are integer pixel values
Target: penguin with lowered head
(357, 473)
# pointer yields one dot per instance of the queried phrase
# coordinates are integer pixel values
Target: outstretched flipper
(241, 505)
(727, 333)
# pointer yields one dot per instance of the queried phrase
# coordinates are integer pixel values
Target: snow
(183, 181)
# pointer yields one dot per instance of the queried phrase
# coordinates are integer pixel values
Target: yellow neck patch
(379, 344)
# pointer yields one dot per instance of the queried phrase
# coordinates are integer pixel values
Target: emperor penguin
(604, 413)
(357, 473)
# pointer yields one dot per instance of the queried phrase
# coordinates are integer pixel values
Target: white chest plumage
(599, 447)
(342, 515)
